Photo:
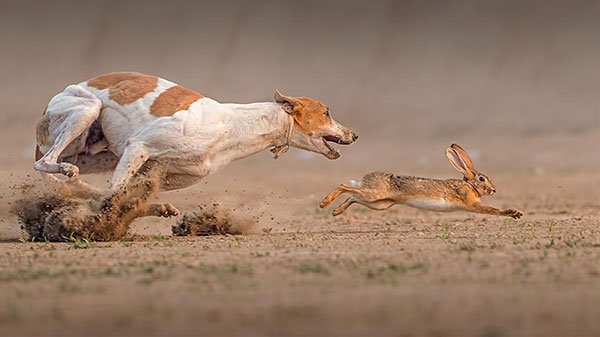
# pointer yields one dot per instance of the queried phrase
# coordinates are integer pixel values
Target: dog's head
(313, 126)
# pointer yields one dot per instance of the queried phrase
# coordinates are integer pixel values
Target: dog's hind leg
(68, 115)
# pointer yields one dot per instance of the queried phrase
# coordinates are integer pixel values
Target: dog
(121, 121)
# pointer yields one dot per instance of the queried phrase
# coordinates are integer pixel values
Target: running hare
(380, 190)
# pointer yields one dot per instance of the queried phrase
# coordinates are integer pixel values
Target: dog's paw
(69, 170)
(167, 211)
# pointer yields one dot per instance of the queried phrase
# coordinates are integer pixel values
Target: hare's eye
(481, 179)
(327, 112)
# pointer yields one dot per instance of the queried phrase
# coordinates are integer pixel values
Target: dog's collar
(279, 150)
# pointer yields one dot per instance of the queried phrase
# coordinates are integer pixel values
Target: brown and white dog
(123, 120)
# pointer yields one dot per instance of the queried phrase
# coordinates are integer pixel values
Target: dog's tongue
(332, 139)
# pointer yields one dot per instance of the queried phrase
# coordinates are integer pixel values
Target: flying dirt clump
(214, 220)
(71, 212)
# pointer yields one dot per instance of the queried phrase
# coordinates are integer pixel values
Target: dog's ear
(287, 103)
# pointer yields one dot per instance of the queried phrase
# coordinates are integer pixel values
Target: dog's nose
(354, 136)
(493, 191)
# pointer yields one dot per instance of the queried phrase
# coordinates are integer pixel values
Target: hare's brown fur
(380, 190)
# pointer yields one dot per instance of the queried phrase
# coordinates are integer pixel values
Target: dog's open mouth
(336, 140)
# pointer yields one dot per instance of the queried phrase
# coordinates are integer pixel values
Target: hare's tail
(357, 184)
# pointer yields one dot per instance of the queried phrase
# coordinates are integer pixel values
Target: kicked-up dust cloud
(73, 211)
(214, 220)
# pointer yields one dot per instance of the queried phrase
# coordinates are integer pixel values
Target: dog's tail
(42, 135)
(38, 153)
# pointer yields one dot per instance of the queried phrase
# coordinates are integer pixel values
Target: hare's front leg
(488, 209)
(341, 208)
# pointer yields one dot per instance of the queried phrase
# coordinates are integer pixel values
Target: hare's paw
(513, 213)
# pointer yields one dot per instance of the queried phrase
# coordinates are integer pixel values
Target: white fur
(440, 205)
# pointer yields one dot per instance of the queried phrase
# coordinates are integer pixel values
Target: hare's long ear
(464, 156)
(458, 163)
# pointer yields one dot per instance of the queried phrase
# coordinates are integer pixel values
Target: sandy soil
(409, 277)
(302, 272)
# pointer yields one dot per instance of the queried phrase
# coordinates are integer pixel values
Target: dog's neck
(266, 121)
(254, 127)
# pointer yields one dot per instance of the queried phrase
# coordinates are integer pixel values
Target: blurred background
(515, 82)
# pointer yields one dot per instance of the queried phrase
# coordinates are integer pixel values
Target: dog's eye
(326, 112)
(481, 179)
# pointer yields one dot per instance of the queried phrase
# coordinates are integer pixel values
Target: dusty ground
(515, 83)
(302, 272)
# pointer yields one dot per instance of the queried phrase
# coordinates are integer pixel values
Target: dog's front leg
(134, 156)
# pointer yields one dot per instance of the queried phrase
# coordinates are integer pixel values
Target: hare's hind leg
(343, 188)
(378, 205)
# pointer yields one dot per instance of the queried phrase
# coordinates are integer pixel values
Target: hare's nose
(493, 191)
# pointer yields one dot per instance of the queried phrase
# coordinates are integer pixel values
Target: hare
(379, 190)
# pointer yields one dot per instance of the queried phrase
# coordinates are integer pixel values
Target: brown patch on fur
(125, 87)
(309, 115)
(174, 99)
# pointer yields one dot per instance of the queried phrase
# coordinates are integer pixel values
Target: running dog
(121, 121)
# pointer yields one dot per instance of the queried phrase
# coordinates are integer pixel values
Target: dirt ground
(302, 272)
(515, 83)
